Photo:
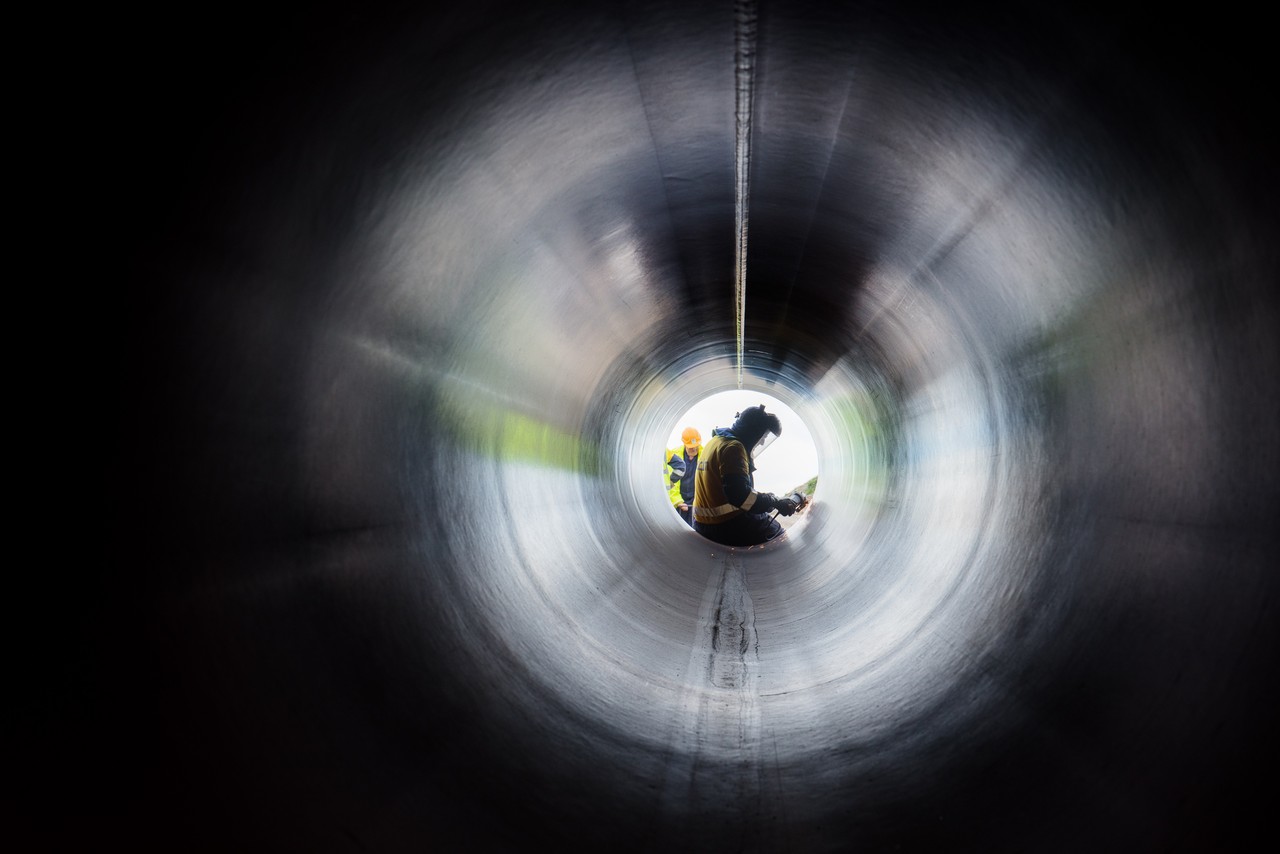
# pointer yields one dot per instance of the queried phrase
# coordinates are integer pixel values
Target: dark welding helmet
(756, 429)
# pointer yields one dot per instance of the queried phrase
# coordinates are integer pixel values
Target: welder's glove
(786, 506)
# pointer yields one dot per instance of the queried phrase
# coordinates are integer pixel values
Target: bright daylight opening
(787, 464)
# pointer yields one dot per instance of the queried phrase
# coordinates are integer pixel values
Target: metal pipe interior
(418, 299)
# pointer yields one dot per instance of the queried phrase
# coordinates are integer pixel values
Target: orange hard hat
(691, 437)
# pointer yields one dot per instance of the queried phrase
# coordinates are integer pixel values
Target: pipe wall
(417, 296)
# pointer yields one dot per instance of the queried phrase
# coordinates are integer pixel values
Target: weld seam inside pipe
(744, 77)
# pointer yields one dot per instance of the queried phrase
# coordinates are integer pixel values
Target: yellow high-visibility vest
(673, 491)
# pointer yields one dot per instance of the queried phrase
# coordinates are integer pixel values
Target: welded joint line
(688, 742)
(744, 84)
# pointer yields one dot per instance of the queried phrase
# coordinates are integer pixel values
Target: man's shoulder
(722, 445)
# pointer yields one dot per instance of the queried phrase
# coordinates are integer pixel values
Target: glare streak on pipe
(744, 78)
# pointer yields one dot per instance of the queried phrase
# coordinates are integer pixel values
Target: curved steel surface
(418, 297)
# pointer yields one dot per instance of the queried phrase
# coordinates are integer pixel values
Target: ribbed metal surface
(419, 297)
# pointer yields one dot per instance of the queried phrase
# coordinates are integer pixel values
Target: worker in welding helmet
(726, 507)
(684, 460)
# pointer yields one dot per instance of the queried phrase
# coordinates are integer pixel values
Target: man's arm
(677, 467)
(677, 470)
(736, 481)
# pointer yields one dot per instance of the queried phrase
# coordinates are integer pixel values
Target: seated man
(726, 507)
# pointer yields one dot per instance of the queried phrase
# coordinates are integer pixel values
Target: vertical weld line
(744, 78)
